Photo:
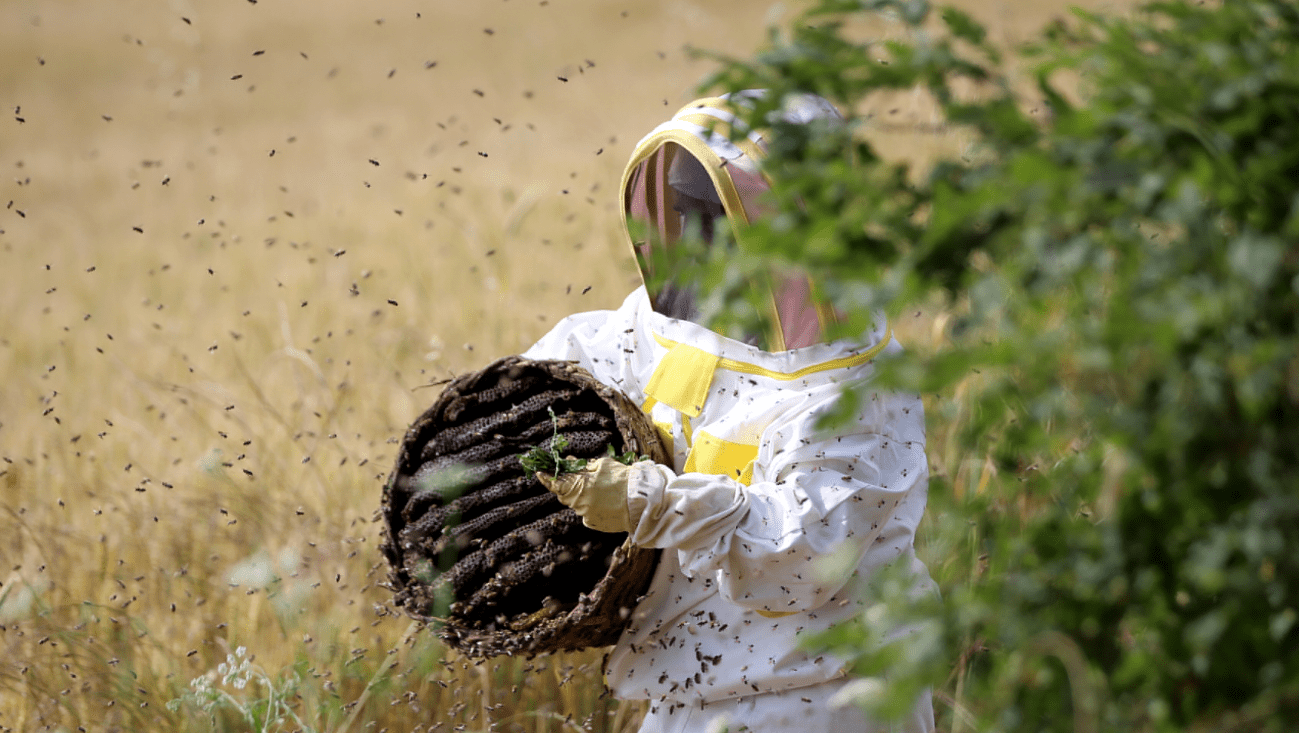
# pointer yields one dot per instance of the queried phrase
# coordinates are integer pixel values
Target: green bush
(1126, 274)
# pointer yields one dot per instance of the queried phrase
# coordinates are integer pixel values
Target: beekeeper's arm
(763, 541)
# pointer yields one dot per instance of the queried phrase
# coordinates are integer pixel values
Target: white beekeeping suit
(756, 494)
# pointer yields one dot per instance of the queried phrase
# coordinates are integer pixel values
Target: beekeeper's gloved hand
(598, 493)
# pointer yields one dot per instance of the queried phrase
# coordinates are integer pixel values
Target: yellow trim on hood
(721, 126)
(696, 143)
(712, 162)
(726, 191)
(698, 147)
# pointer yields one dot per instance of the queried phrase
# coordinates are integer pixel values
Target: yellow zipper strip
(840, 363)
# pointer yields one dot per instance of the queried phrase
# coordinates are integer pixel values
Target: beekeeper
(756, 495)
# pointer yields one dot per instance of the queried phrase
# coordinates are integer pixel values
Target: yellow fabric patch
(664, 428)
(840, 363)
(665, 432)
(718, 457)
(682, 378)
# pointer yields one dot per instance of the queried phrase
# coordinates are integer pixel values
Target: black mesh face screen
(463, 522)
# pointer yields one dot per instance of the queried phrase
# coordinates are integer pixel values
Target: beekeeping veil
(688, 168)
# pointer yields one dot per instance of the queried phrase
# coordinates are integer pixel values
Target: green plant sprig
(548, 460)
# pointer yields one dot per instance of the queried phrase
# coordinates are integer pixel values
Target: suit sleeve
(858, 492)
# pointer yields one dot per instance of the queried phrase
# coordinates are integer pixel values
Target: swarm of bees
(152, 234)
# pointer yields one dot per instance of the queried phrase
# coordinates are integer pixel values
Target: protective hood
(690, 167)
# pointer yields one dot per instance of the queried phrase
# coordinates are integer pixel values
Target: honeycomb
(481, 550)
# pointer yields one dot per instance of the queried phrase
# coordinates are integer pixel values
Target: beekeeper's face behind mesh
(672, 198)
(688, 177)
(694, 198)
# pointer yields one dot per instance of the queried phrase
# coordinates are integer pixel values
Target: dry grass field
(239, 240)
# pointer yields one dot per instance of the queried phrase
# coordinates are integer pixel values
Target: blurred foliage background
(1115, 253)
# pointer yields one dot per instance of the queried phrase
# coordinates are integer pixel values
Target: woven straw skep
(480, 549)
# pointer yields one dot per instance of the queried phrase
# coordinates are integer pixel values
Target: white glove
(598, 493)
